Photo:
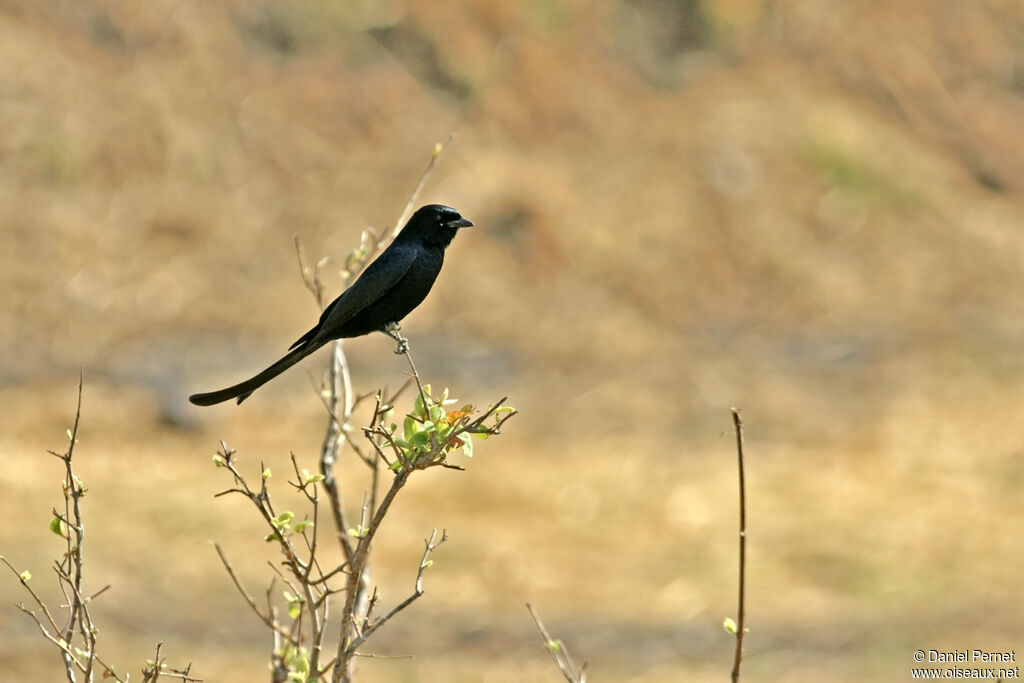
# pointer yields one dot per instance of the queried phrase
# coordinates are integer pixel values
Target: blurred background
(810, 211)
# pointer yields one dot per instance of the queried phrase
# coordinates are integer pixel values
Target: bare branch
(157, 668)
(270, 621)
(559, 652)
(310, 276)
(340, 391)
(69, 656)
(78, 658)
(740, 625)
(35, 598)
(430, 545)
(439, 149)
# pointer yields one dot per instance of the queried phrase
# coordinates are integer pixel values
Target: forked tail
(243, 390)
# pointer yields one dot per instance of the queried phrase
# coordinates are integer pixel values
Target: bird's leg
(393, 330)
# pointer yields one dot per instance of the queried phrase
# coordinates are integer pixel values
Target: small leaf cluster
(430, 432)
(295, 661)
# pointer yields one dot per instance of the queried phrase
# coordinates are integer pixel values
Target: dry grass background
(811, 211)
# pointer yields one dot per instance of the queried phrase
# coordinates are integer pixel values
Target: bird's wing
(374, 282)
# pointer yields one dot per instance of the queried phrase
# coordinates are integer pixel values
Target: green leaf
(58, 527)
(311, 478)
(283, 520)
(266, 474)
(410, 427)
(444, 430)
(294, 605)
(467, 446)
(730, 625)
(418, 407)
(25, 576)
(218, 461)
(306, 523)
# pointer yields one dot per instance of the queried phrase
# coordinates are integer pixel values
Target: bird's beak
(460, 223)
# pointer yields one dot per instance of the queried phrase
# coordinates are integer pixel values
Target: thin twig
(268, 620)
(310, 276)
(349, 614)
(439, 150)
(339, 389)
(416, 377)
(69, 569)
(425, 562)
(150, 674)
(740, 627)
(338, 386)
(35, 598)
(559, 652)
(74, 559)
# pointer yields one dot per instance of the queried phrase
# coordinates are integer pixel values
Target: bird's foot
(393, 330)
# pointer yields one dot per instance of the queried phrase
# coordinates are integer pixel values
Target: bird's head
(436, 224)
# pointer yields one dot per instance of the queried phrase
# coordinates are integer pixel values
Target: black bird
(390, 287)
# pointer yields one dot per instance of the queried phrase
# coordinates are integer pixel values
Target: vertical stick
(740, 628)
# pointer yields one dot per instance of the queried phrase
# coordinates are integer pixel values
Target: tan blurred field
(810, 211)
